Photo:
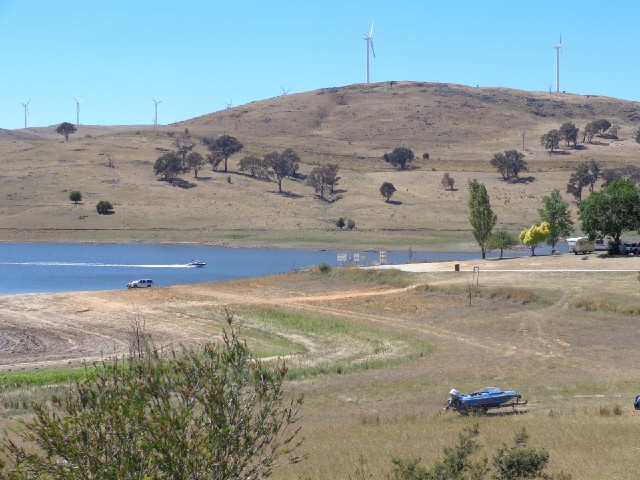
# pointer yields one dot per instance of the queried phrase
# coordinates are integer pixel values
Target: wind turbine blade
(371, 32)
(372, 50)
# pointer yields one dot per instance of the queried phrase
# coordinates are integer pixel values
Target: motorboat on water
(196, 263)
(484, 399)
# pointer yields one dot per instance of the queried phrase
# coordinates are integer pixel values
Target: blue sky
(197, 56)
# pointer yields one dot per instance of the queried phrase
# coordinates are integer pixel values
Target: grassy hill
(460, 127)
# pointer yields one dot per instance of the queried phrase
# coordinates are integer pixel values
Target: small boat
(196, 263)
(483, 400)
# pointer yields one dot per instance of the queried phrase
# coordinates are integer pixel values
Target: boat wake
(90, 264)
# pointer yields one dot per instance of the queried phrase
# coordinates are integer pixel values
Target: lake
(53, 267)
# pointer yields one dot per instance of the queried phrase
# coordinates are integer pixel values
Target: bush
(210, 413)
(425, 156)
(103, 207)
(75, 196)
(324, 268)
(351, 224)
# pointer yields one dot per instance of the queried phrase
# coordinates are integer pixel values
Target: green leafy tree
(169, 165)
(555, 211)
(590, 129)
(602, 126)
(534, 236)
(66, 129)
(224, 147)
(614, 130)
(509, 163)
(551, 139)
(256, 166)
(216, 412)
(351, 224)
(387, 190)
(282, 165)
(501, 240)
(399, 157)
(331, 174)
(75, 196)
(194, 161)
(585, 175)
(184, 145)
(611, 212)
(569, 133)
(104, 207)
(481, 216)
(340, 223)
(323, 178)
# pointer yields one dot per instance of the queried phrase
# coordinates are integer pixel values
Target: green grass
(391, 277)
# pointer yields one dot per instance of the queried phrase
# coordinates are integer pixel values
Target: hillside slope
(460, 127)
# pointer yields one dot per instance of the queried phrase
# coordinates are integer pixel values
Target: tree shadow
(521, 180)
(204, 179)
(329, 200)
(602, 144)
(287, 194)
(559, 153)
(394, 202)
(579, 147)
(181, 183)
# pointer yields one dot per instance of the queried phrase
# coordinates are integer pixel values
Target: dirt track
(48, 329)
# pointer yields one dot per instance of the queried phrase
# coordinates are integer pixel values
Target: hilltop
(459, 127)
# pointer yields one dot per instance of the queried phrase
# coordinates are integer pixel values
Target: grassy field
(375, 354)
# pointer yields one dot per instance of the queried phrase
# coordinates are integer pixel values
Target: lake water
(52, 267)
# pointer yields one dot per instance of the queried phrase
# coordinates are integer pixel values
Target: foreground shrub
(103, 207)
(518, 461)
(210, 413)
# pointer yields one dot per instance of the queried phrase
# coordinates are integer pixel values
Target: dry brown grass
(577, 368)
(357, 124)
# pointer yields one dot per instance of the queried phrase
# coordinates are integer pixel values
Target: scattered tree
(602, 126)
(323, 177)
(447, 181)
(75, 196)
(224, 147)
(331, 172)
(614, 131)
(340, 223)
(66, 129)
(282, 165)
(551, 140)
(611, 212)
(103, 207)
(425, 156)
(184, 145)
(351, 224)
(217, 412)
(256, 167)
(569, 133)
(630, 172)
(555, 211)
(399, 157)
(587, 174)
(501, 240)
(195, 162)
(169, 165)
(636, 135)
(509, 163)
(387, 190)
(481, 217)
(534, 236)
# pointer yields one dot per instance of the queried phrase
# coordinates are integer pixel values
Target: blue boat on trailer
(483, 400)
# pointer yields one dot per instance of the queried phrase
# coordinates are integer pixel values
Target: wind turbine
(155, 119)
(26, 111)
(558, 48)
(369, 40)
(78, 110)
(284, 92)
(229, 103)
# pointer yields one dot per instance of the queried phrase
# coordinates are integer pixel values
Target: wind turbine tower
(77, 110)
(558, 48)
(155, 119)
(369, 40)
(26, 111)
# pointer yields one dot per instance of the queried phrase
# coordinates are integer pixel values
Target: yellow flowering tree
(534, 236)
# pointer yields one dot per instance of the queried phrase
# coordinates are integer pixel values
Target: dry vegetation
(376, 353)
(460, 127)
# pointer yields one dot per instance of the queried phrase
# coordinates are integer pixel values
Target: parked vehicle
(482, 400)
(636, 403)
(140, 283)
(581, 245)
